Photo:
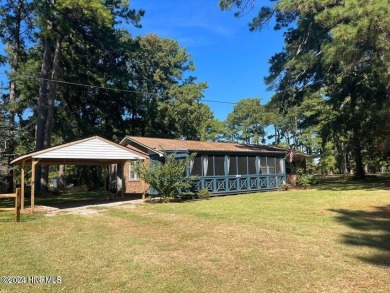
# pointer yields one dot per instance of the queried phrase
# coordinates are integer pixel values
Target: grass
(331, 238)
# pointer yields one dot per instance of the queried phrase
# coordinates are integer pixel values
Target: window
(132, 167)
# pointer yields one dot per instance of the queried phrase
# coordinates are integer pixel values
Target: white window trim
(132, 164)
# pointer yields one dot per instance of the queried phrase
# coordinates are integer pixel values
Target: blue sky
(230, 58)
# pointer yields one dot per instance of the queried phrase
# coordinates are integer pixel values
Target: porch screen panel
(210, 171)
(233, 165)
(242, 166)
(263, 165)
(271, 165)
(252, 165)
(219, 162)
(196, 167)
(279, 165)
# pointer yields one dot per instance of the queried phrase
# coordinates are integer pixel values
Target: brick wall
(137, 186)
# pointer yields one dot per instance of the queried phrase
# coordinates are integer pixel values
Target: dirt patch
(88, 209)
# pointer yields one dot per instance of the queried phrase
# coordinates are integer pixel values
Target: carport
(89, 151)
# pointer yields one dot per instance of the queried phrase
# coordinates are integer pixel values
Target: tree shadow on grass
(372, 229)
(74, 200)
(344, 183)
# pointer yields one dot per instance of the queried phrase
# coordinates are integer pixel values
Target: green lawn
(332, 238)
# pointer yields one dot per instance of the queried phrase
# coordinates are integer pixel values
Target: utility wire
(107, 88)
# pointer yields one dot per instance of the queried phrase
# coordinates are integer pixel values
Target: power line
(108, 88)
(220, 102)
(80, 84)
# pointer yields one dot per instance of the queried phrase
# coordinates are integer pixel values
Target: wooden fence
(17, 196)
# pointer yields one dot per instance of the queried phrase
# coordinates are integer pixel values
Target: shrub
(303, 179)
(187, 195)
(203, 194)
(168, 177)
(314, 180)
(285, 187)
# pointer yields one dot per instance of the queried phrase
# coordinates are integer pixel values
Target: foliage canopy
(336, 54)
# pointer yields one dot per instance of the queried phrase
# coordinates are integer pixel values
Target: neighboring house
(221, 168)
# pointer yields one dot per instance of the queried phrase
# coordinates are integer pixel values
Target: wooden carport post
(33, 163)
(17, 205)
(22, 166)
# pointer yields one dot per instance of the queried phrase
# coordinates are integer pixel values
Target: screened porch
(222, 174)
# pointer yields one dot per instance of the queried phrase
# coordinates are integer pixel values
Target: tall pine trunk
(50, 109)
(344, 165)
(14, 66)
(52, 93)
(16, 55)
(42, 99)
(42, 110)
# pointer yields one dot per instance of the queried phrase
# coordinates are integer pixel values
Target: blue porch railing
(236, 184)
(239, 183)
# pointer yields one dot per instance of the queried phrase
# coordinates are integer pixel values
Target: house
(221, 168)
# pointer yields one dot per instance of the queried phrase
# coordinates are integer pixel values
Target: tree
(327, 159)
(167, 177)
(247, 121)
(336, 49)
(62, 23)
(56, 20)
(182, 115)
(153, 97)
(213, 130)
(103, 65)
(83, 74)
(167, 99)
(15, 31)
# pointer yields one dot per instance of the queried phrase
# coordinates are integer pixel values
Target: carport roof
(88, 151)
